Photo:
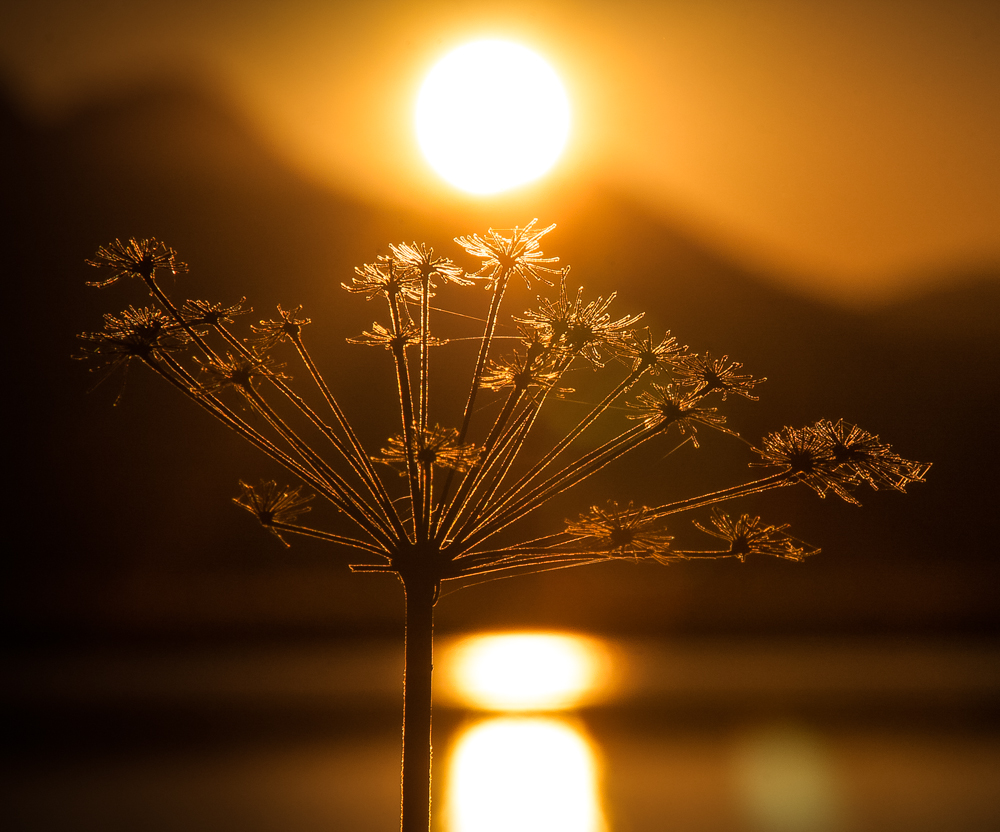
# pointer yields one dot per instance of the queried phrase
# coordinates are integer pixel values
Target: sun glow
(492, 115)
(525, 671)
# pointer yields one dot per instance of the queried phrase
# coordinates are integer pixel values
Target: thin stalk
(501, 446)
(354, 506)
(329, 537)
(315, 470)
(482, 465)
(406, 415)
(417, 703)
(731, 493)
(528, 568)
(504, 453)
(511, 445)
(570, 475)
(360, 456)
(425, 332)
(484, 349)
(224, 415)
(425, 471)
(364, 470)
(375, 488)
(164, 300)
(572, 436)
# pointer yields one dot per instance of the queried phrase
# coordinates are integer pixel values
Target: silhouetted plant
(465, 487)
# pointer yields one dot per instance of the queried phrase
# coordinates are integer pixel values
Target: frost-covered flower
(807, 454)
(711, 375)
(384, 277)
(134, 258)
(836, 456)
(517, 254)
(867, 458)
(522, 370)
(580, 328)
(272, 504)
(638, 352)
(202, 313)
(288, 327)
(667, 404)
(436, 446)
(620, 530)
(380, 336)
(748, 536)
(420, 261)
(135, 333)
(238, 371)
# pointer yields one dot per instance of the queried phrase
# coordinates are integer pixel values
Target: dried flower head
(806, 454)
(134, 258)
(716, 375)
(638, 352)
(580, 328)
(533, 368)
(384, 277)
(288, 327)
(620, 530)
(748, 536)
(271, 504)
(517, 254)
(380, 336)
(202, 313)
(238, 371)
(867, 458)
(437, 447)
(473, 521)
(425, 267)
(136, 333)
(667, 404)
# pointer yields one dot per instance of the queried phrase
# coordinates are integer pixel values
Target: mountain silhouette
(122, 488)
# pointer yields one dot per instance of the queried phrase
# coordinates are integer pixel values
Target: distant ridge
(967, 309)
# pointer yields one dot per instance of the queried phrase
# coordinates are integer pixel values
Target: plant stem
(418, 665)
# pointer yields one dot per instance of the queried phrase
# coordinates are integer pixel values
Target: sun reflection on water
(524, 772)
(525, 671)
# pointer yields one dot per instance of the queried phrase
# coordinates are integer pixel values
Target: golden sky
(852, 145)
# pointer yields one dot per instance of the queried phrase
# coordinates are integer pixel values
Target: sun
(492, 115)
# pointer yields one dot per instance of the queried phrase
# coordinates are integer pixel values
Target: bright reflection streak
(524, 671)
(524, 774)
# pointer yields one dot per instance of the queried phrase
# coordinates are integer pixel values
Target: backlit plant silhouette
(454, 514)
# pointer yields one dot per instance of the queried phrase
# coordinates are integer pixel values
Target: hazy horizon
(848, 146)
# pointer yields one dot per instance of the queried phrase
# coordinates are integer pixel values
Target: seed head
(667, 404)
(748, 536)
(420, 261)
(134, 258)
(517, 254)
(867, 458)
(136, 333)
(239, 372)
(620, 530)
(203, 313)
(271, 504)
(288, 327)
(638, 352)
(579, 328)
(438, 447)
(384, 277)
(711, 375)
